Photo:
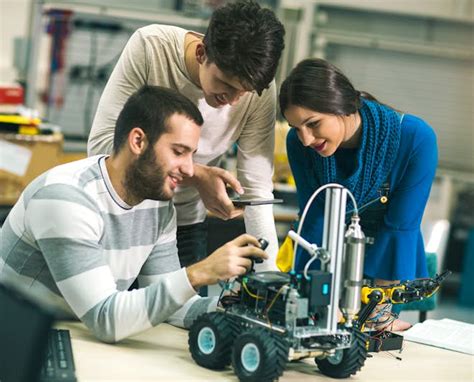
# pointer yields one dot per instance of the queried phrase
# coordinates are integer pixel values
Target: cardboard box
(23, 158)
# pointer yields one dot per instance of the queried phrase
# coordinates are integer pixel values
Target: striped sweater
(73, 238)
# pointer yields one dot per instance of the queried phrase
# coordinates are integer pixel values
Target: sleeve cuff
(181, 286)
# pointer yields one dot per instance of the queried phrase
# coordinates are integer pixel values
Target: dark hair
(319, 86)
(246, 41)
(149, 108)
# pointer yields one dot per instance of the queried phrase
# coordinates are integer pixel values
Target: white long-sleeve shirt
(154, 55)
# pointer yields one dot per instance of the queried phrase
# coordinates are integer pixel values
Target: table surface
(161, 353)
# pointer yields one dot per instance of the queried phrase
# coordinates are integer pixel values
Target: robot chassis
(278, 317)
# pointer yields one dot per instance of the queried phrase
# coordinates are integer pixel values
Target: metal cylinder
(354, 248)
(333, 243)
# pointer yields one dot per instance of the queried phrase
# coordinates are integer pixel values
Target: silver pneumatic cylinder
(354, 248)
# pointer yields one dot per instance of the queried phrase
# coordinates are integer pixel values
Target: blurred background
(418, 56)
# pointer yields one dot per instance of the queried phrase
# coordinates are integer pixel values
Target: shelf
(419, 9)
(164, 16)
(325, 36)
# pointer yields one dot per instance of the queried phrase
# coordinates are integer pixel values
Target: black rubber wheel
(210, 340)
(345, 362)
(259, 355)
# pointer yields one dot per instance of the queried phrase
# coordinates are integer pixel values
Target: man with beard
(82, 232)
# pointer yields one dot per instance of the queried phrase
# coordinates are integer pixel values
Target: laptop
(30, 349)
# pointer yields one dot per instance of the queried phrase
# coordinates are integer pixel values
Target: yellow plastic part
(291, 181)
(284, 259)
(393, 289)
(364, 294)
(19, 119)
(28, 130)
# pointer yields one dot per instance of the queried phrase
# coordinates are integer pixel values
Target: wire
(432, 293)
(250, 293)
(382, 319)
(306, 267)
(379, 342)
(394, 356)
(275, 298)
(365, 205)
(308, 205)
(267, 310)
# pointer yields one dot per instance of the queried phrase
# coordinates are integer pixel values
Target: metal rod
(333, 242)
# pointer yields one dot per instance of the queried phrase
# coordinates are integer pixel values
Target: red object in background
(11, 95)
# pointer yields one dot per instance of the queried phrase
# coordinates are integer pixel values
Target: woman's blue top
(398, 251)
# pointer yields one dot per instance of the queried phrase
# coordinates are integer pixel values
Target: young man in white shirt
(228, 73)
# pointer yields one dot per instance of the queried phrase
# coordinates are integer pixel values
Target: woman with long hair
(386, 158)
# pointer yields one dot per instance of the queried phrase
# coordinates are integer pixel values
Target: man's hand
(211, 184)
(228, 261)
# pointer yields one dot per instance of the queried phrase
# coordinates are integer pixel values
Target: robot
(265, 319)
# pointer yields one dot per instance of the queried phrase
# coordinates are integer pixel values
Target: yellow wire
(250, 293)
(432, 293)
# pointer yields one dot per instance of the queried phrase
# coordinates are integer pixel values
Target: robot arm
(417, 289)
(405, 292)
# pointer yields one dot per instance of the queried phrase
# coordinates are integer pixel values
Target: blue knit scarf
(375, 156)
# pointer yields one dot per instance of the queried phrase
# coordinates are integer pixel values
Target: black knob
(263, 243)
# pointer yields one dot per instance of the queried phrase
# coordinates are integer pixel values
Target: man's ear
(137, 141)
(201, 53)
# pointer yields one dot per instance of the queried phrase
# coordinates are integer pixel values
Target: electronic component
(384, 341)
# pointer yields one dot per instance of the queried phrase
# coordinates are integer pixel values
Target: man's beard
(145, 179)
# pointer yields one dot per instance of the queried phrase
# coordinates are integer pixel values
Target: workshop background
(56, 57)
